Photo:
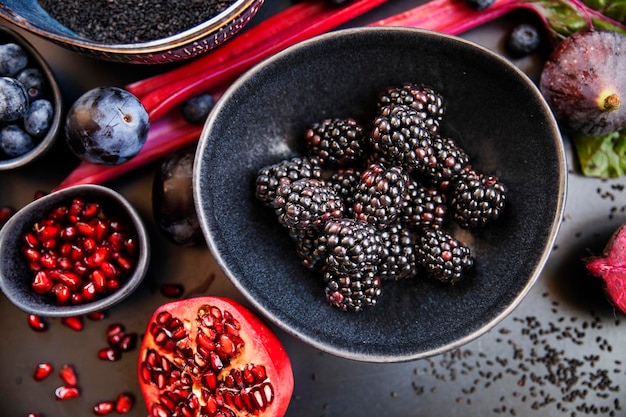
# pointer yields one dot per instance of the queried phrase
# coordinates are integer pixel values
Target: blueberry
(523, 40)
(106, 125)
(13, 99)
(13, 59)
(197, 109)
(38, 118)
(34, 82)
(479, 4)
(14, 141)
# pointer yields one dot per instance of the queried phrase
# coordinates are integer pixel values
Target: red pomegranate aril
(34, 415)
(124, 263)
(31, 254)
(42, 371)
(97, 315)
(110, 354)
(69, 232)
(85, 229)
(73, 322)
(76, 298)
(113, 284)
(109, 270)
(128, 342)
(47, 232)
(99, 280)
(91, 210)
(89, 244)
(68, 375)
(61, 292)
(58, 213)
(130, 245)
(30, 240)
(124, 403)
(172, 290)
(66, 393)
(115, 333)
(37, 323)
(70, 279)
(6, 212)
(42, 283)
(103, 408)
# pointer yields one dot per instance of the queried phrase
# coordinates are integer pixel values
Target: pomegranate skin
(611, 268)
(242, 365)
(584, 82)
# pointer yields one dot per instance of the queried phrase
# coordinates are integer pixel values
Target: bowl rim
(179, 40)
(131, 283)
(49, 139)
(204, 143)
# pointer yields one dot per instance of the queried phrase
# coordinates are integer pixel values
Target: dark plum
(197, 109)
(106, 125)
(13, 59)
(13, 99)
(14, 141)
(34, 82)
(38, 118)
(172, 199)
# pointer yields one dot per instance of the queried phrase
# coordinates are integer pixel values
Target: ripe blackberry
(423, 207)
(350, 246)
(311, 254)
(269, 177)
(398, 260)
(352, 292)
(442, 256)
(400, 137)
(336, 142)
(477, 199)
(428, 102)
(344, 182)
(307, 203)
(451, 161)
(379, 194)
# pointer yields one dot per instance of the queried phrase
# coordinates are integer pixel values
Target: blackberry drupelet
(398, 260)
(344, 182)
(336, 142)
(428, 102)
(451, 161)
(269, 177)
(423, 207)
(443, 256)
(311, 254)
(307, 203)
(477, 199)
(379, 194)
(400, 137)
(352, 292)
(350, 246)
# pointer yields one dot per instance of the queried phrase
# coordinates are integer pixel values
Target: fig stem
(611, 102)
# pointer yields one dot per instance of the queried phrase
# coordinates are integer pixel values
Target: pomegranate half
(211, 356)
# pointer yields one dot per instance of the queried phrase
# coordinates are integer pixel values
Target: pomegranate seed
(74, 322)
(109, 354)
(47, 232)
(109, 270)
(68, 375)
(42, 283)
(6, 213)
(42, 371)
(34, 415)
(124, 403)
(61, 292)
(172, 290)
(88, 291)
(31, 254)
(115, 333)
(97, 315)
(37, 323)
(103, 408)
(91, 210)
(76, 298)
(70, 279)
(84, 229)
(128, 342)
(66, 393)
(30, 240)
(124, 263)
(99, 280)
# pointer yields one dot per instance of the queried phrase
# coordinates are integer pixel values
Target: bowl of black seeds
(146, 32)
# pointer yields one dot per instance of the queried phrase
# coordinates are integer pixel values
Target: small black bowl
(493, 110)
(15, 276)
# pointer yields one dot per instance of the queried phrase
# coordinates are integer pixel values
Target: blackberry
(477, 199)
(400, 137)
(269, 177)
(398, 260)
(423, 207)
(443, 256)
(307, 203)
(311, 254)
(428, 102)
(379, 194)
(344, 182)
(352, 292)
(336, 142)
(350, 246)
(451, 161)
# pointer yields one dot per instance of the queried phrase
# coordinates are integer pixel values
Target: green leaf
(602, 156)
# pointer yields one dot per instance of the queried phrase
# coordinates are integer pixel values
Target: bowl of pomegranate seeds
(382, 194)
(146, 32)
(72, 252)
(30, 102)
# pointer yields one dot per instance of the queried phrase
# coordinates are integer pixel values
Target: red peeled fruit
(212, 356)
(611, 268)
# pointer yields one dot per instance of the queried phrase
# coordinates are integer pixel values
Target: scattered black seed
(119, 21)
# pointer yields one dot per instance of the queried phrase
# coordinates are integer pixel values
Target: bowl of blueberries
(382, 194)
(30, 102)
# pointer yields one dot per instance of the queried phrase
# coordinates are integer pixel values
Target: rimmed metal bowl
(29, 15)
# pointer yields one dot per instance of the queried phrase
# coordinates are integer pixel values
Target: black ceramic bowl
(52, 94)
(29, 15)
(15, 276)
(493, 111)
